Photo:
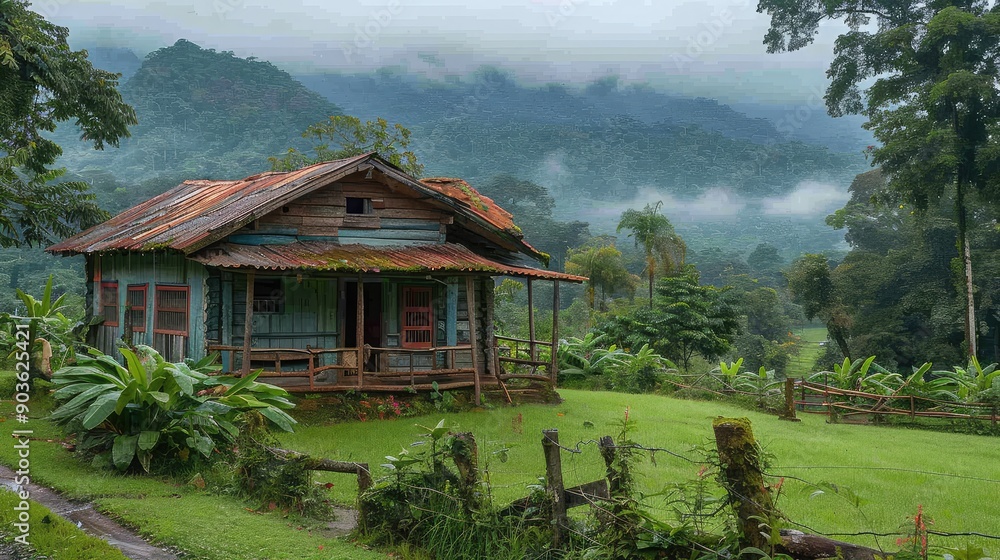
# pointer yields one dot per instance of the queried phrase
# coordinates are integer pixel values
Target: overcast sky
(709, 47)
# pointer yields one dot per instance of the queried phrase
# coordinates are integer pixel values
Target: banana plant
(729, 372)
(583, 357)
(46, 325)
(760, 384)
(149, 407)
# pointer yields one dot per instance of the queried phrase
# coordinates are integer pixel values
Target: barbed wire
(895, 469)
(633, 446)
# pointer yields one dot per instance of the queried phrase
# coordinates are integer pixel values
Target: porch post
(248, 325)
(360, 330)
(531, 324)
(226, 334)
(554, 368)
(470, 292)
(451, 314)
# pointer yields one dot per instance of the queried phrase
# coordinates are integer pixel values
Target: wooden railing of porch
(309, 364)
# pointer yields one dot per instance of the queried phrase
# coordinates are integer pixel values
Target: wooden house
(343, 275)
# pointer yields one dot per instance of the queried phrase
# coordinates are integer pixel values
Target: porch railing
(522, 357)
(379, 366)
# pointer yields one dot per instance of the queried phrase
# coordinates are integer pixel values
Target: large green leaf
(280, 418)
(124, 450)
(242, 383)
(100, 410)
(135, 367)
(148, 439)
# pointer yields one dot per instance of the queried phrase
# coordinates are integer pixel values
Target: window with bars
(137, 307)
(109, 303)
(418, 324)
(171, 310)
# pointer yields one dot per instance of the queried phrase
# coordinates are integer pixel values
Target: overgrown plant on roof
(150, 409)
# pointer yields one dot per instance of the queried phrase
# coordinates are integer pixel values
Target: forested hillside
(602, 141)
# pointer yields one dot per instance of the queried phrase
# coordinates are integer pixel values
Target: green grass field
(892, 470)
(809, 350)
(53, 537)
(861, 458)
(206, 526)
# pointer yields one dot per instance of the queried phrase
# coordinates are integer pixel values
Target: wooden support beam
(554, 486)
(328, 465)
(554, 368)
(451, 312)
(248, 325)
(360, 332)
(531, 321)
(227, 320)
(470, 293)
(789, 413)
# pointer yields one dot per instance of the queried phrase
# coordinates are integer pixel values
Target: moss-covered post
(554, 486)
(465, 453)
(743, 479)
(789, 413)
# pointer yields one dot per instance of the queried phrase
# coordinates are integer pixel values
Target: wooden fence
(861, 406)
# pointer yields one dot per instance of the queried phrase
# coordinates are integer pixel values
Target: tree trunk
(966, 255)
(650, 265)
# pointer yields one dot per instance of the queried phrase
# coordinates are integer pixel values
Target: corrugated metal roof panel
(197, 213)
(193, 211)
(332, 257)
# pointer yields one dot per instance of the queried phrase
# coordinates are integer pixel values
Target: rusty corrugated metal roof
(197, 213)
(311, 255)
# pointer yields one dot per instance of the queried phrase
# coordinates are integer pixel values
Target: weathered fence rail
(846, 403)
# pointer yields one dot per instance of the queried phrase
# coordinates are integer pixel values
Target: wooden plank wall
(396, 218)
(153, 269)
(308, 318)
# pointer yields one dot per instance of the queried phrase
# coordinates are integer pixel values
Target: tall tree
(686, 319)
(350, 137)
(42, 83)
(652, 231)
(604, 268)
(933, 99)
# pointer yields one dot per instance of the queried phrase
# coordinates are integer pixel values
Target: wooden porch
(486, 359)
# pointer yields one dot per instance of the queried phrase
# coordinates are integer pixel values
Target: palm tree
(654, 232)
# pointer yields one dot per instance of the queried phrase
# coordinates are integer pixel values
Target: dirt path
(91, 521)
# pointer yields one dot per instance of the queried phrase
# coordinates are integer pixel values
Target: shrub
(152, 408)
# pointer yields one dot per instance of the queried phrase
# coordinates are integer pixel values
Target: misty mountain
(115, 59)
(597, 148)
(203, 114)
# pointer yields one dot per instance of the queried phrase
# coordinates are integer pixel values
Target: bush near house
(151, 408)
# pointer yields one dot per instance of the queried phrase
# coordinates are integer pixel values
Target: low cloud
(809, 198)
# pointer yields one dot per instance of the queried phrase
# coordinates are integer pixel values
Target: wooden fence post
(744, 481)
(554, 486)
(789, 400)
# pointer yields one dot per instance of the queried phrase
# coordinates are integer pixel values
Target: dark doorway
(373, 314)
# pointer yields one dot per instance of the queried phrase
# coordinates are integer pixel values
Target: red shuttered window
(137, 307)
(171, 310)
(109, 303)
(418, 320)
